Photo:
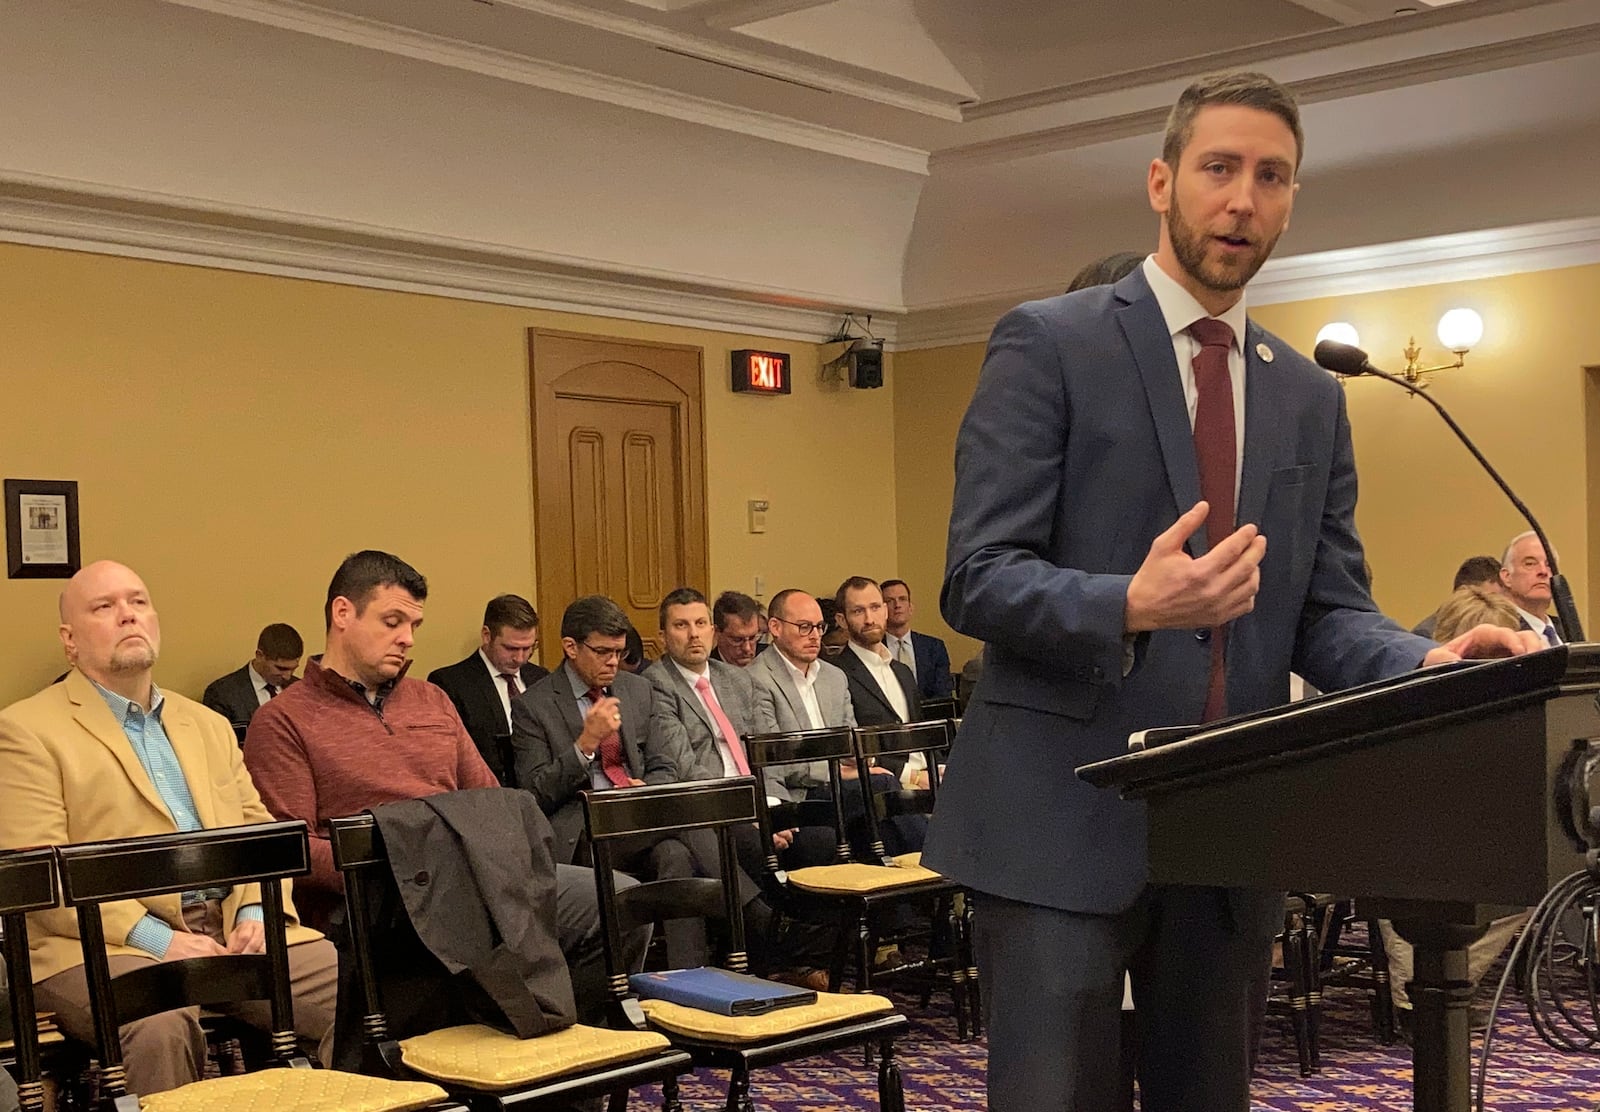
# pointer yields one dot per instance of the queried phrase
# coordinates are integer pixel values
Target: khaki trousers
(167, 1050)
(1480, 955)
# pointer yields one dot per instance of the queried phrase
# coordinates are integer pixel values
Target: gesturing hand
(1172, 590)
(603, 720)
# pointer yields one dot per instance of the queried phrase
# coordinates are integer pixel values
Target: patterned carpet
(1357, 1075)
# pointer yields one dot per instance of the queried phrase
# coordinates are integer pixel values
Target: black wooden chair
(27, 883)
(738, 1044)
(487, 1068)
(130, 868)
(956, 970)
(855, 894)
(938, 708)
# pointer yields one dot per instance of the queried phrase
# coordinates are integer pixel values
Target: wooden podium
(1432, 797)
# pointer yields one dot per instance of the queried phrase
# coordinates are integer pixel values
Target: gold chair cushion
(908, 860)
(855, 877)
(483, 1058)
(830, 1008)
(274, 1090)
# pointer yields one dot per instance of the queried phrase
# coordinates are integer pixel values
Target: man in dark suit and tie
(1153, 523)
(925, 655)
(483, 685)
(737, 618)
(1525, 578)
(591, 725)
(236, 695)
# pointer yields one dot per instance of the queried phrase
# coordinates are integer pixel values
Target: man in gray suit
(237, 695)
(707, 706)
(1153, 523)
(807, 693)
(711, 703)
(590, 725)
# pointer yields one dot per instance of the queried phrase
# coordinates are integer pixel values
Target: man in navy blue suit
(1113, 597)
(925, 655)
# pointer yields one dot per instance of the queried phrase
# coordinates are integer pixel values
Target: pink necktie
(729, 736)
(1216, 449)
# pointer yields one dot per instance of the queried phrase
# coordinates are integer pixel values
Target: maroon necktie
(511, 687)
(611, 762)
(1216, 449)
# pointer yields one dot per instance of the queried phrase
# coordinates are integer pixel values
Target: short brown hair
(1474, 606)
(280, 641)
(854, 583)
(734, 604)
(1252, 90)
(509, 612)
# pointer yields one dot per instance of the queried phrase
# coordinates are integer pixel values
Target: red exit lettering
(766, 372)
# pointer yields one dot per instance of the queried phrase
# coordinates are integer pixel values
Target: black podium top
(1185, 756)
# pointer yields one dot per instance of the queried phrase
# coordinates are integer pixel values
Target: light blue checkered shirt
(150, 743)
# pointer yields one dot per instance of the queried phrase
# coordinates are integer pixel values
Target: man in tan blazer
(107, 754)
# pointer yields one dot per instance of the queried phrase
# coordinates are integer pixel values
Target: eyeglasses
(806, 629)
(605, 654)
(753, 639)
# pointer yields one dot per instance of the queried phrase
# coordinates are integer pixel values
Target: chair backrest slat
(359, 853)
(769, 751)
(27, 883)
(613, 817)
(93, 873)
(128, 868)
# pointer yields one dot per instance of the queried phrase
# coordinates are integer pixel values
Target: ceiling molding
(556, 77)
(357, 255)
(1432, 261)
(1485, 58)
(1251, 57)
(895, 94)
(729, 14)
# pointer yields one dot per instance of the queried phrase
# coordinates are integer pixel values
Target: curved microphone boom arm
(1346, 359)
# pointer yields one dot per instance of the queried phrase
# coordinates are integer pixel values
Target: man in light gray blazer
(806, 692)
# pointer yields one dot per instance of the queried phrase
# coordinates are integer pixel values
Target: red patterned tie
(611, 761)
(511, 688)
(1216, 449)
(729, 735)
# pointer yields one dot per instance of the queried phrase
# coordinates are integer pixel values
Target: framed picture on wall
(42, 529)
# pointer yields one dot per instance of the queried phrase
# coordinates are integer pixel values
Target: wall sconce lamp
(1460, 330)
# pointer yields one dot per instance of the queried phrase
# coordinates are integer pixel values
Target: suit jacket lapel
(791, 695)
(567, 704)
(688, 695)
(865, 677)
(635, 722)
(91, 712)
(1262, 432)
(184, 733)
(1145, 329)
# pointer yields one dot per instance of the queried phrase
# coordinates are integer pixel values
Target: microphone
(1346, 359)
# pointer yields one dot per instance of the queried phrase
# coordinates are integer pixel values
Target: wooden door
(619, 476)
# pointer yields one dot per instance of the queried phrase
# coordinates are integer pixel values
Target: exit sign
(760, 372)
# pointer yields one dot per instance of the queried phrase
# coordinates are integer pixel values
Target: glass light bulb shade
(1340, 332)
(1460, 330)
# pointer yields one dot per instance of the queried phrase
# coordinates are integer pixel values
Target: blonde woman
(1469, 606)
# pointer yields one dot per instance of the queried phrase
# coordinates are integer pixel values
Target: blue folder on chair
(719, 990)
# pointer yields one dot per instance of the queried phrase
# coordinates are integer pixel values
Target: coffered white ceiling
(898, 155)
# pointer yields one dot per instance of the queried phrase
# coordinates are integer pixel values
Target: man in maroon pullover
(356, 732)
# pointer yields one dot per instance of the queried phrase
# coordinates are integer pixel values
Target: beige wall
(1524, 396)
(933, 387)
(235, 435)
